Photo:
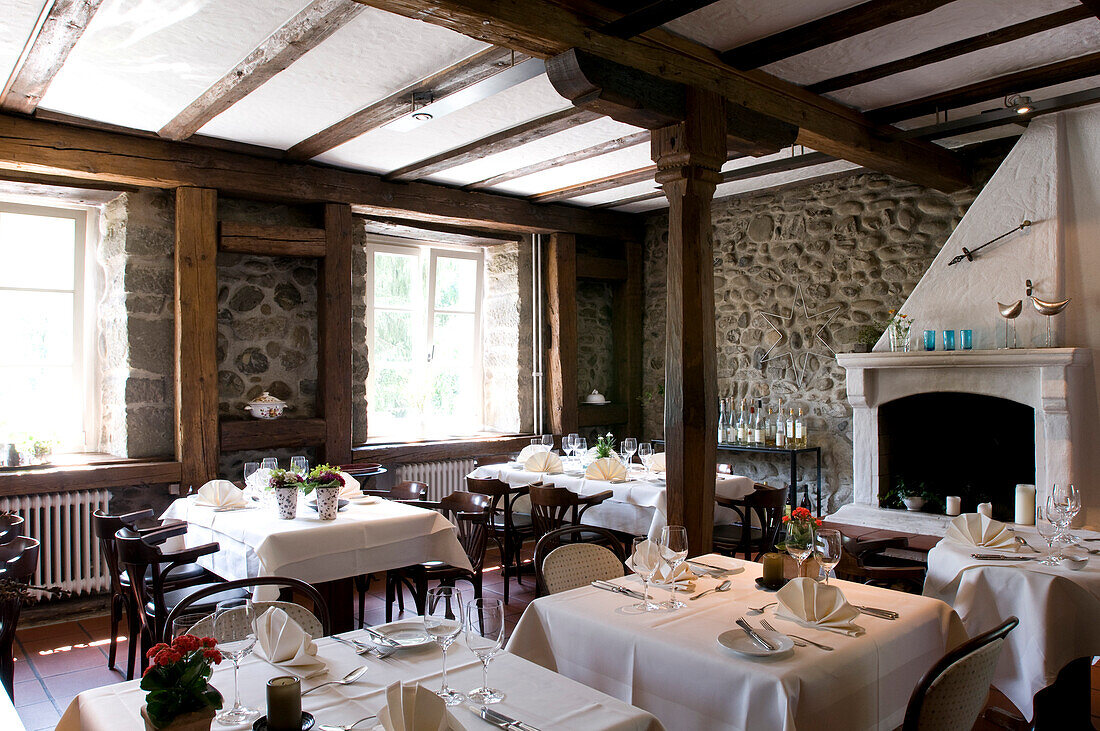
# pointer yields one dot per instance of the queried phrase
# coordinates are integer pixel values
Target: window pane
(36, 251)
(455, 283)
(454, 387)
(393, 337)
(39, 402)
(393, 279)
(42, 333)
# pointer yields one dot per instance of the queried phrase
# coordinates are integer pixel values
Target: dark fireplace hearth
(977, 447)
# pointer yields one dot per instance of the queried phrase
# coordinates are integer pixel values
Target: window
(43, 389)
(424, 331)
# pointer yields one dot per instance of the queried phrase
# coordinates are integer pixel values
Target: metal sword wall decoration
(968, 254)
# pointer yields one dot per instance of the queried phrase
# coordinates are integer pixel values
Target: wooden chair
(18, 562)
(866, 563)
(316, 620)
(470, 513)
(760, 515)
(952, 694)
(493, 459)
(11, 526)
(105, 527)
(555, 507)
(407, 491)
(509, 528)
(562, 564)
(140, 553)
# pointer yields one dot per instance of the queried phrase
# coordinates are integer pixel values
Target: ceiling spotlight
(422, 116)
(1018, 103)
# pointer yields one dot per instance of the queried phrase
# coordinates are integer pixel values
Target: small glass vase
(899, 336)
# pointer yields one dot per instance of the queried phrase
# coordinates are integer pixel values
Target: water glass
(233, 631)
(968, 339)
(674, 551)
(299, 464)
(183, 624)
(645, 562)
(269, 463)
(1047, 529)
(249, 469)
(929, 339)
(573, 443)
(580, 447)
(630, 446)
(443, 620)
(948, 339)
(645, 451)
(485, 636)
(827, 550)
(1067, 504)
(548, 441)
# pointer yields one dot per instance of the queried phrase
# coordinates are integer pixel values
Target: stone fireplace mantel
(1048, 380)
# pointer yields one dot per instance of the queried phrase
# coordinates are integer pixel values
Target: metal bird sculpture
(1012, 311)
(1048, 308)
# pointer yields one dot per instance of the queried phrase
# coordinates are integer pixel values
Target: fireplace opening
(974, 446)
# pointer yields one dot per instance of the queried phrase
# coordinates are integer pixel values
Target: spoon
(346, 680)
(724, 586)
(760, 610)
(1024, 544)
(346, 726)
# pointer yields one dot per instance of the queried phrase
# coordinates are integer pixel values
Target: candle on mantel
(773, 568)
(1025, 504)
(954, 504)
(985, 509)
(284, 703)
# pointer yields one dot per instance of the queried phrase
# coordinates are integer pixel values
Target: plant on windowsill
(180, 697)
(914, 497)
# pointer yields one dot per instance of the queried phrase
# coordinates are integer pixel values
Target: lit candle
(773, 568)
(954, 505)
(985, 509)
(1025, 504)
(284, 703)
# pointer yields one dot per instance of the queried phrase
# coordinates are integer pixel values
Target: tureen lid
(266, 399)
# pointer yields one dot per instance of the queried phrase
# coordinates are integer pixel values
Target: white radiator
(62, 523)
(443, 478)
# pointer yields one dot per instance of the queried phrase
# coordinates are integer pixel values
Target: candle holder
(1010, 313)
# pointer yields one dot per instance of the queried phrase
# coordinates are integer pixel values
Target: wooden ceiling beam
(618, 180)
(502, 141)
(953, 50)
(57, 31)
(1093, 6)
(299, 35)
(1061, 72)
(823, 31)
(465, 73)
(651, 15)
(544, 29)
(51, 149)
(443, 233)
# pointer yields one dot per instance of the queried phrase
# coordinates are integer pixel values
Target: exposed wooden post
(196, 335)
(561, 294)
(689, 159)
(334, 333)
(627, 329)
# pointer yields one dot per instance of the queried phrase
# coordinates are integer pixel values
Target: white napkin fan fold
(543, 462)
(283, 642)
(221, 494)
(817, 605)
(974, 529)
(607, 468)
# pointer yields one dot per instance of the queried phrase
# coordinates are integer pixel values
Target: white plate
(742, 644)
(365, 500)
(408, 633)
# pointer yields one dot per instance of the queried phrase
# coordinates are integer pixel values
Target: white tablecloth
(637, 507)
(533, 694)
(1058, 609)
(670, 663)
(362, 539)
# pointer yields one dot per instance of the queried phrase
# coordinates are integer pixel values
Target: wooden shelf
(608, 414)
(270, 433)
(68, 478)
(442, 449)
(243, 238)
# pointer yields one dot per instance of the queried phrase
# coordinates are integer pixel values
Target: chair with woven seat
(315, 621)
(470, 514)
(18, 562)
(760, 514)
(508, 527)
(952, 694)
(562, 564)
(556, 507)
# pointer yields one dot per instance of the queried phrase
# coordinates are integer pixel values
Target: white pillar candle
(1025, 504)
(954, 504)
(985, 509)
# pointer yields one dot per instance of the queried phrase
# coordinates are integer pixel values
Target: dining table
(670, 662)
(532, 694)
(1058, 609)
(638, 504)
(373, 535)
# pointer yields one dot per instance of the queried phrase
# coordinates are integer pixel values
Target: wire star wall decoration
(800, 360)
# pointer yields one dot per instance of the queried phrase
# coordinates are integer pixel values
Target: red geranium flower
(152, 652)
(208, 642)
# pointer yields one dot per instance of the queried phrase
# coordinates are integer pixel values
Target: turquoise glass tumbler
(948, 339)
(968, 339)
(929, 339)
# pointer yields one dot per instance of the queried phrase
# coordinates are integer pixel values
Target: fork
(796, 639)
(364, 649)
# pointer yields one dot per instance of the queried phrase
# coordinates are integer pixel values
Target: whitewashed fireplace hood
(1051, 177)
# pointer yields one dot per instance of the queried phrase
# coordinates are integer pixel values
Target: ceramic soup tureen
(266, 406)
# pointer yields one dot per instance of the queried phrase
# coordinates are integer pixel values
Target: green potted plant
(605, 446)
(286, 484)
(867, 336)
(327, 482)
(179, 696)
(914, 498)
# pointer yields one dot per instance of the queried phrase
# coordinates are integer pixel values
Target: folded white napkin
(351, 487)
(258, 480)
(415, 708)
(221, 494)
(530, 449)
(681, 577)
(973, 529)
(283, 642)
(817, 605)
(543, 462)
(657, 462)
(647, 555)
(607, 468)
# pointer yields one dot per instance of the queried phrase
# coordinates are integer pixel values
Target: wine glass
(548, 442)
(1067, 504)
(299, 464)
(269, 463)
(233, 631)
(580, 446)
(183, 624)
(827, 550)
(800, 542)
(1047, 529)
(630, 446)
(674, 551)
(572, 444)
(485, 636)
(443, 614)
(249, 469)
(645, 451)
(645, 562)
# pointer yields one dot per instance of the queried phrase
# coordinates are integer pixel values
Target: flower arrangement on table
(323, 475)
(801, 518)
(177, 682)
(605, 446)
(280, 478)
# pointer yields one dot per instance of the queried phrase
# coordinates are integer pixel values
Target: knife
(880, 613)
(378, 637)
(755, 637)
(618, 589)
(501, 721)
(999, 557)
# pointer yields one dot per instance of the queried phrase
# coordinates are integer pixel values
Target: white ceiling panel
(733, 23)
(384, 150)
(19, 20)
(620, 161)
(140, 62)
(607, 196)
(551, 146)
(353, 68)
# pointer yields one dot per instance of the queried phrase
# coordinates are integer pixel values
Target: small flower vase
(899, 336)
(328, 502)
(286, 502)
(194, 721)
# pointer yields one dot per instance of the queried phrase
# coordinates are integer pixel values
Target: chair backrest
(409, 490)
(493, 459)
(762, 508)
(550, 508)
(11, 525)
(19, 559)
(316, 622)
(953, 693)
(105, 526)
(577, 564)
(470, 512)
(569, 536)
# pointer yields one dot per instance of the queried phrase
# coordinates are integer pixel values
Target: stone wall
(506, 321)
(859, 243)
(595, 346)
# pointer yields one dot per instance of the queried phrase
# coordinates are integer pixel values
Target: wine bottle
(741, 426)
(721, 420)
(789, 426)
(769, 429)
(800, 431)
(758, 425)
(780, 430)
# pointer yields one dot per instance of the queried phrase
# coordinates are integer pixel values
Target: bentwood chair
(489, 459)
(470, 514)
(140, 553)
(555, 507)
(11, 526)
(562, 564)
(760, 514)
(407, 491)
(867, 562)
(508, 527)
(952, 694)
(18, 562)
(314, 620)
